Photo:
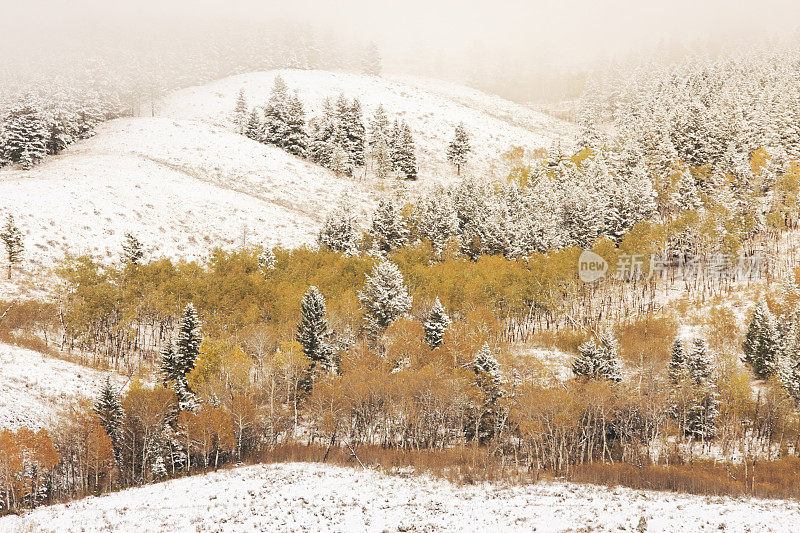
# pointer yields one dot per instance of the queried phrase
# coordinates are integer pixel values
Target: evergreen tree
(379, 140)
(406, 160)
(313, 335)
(109, 410)
(12, 239)
(598, 360)
(340, 231)
(254, 129)
(266, 260)
(132, 250)
(436, 219)
(284, 120)
(704, 410)
(240, 113)
(384, 297)
(761, 345)
(388, 229)
(489, 380)
(435, 325)
(459, 148)
(25, 135)
(372, 61)
(178, 361)
(296, 141)
(353, 121)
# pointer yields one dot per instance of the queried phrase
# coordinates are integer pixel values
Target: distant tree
(313, 335)
(25, 135)
(12, 238)
(240, 113)
(132, 249)
(761, 347)
(598, 360)
(435, 325)
(254, 129)
(459, 148)
(372, 61)
(384, 297)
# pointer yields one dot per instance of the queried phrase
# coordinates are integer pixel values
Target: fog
(512, 46)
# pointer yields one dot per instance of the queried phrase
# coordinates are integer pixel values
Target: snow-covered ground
(34, 387)
(314, 497)
(432, 109)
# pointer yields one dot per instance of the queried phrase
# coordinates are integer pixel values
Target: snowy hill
(432, 109)
(182, 187)
(34, 386)
(315, 497)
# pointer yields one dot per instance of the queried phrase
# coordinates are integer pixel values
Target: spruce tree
(178, 361)
(388, 230)
(25, 135)
(296, 141)
(109, 410)
(240, 113)
(761, 345)
(489, 381)
(276, 114)
(598, 360)
(266, 260)
(254, 129)
(340, 231)
(132, 249)
(704, 410)
(313, 335)
(378, 140)
(384, 297)
(435, 325)
(459, 148)
(407, 160)
(12, 239)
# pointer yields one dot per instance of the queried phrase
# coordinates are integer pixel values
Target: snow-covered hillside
(432, 109)
(182, 187)
(34, 386)
(314, 497)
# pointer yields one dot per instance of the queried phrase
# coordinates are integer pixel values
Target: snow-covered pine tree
(761, 345)
(489, 380)
(435, 218)
(340, 231)
(372, 60)
(240, 113)
(132, 249)
(702, 414)
(407, 160)
(379, 136)
(384, 297)
(435, 325)
(598, 360)
(459, 148)
(25, 135)
(678, 370)
(254, 129)
(109, 410)
(388, 230)
(296, 141)
(276, 114)
(356, 133)
(178, 361)
(266, 260)
(12, 239)
(313, 336)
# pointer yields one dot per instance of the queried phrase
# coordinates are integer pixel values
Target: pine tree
(240, 113)
(178, 361)
(25, 135)
(436, 219)
(384, 297)
(340, 231)
(459, 148)
(760, 343)
(489, 380)
(704, 410)
(356, 133)
(254, 129)
(372, 61)
(598, 360)
(388, 230)
(313, 335)
(12, 239)
(284, 120)
(266, 260)
(378, 140)
(406, 160)
(435, 325)
(296, 141)
(132, 250)
(109, 410)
